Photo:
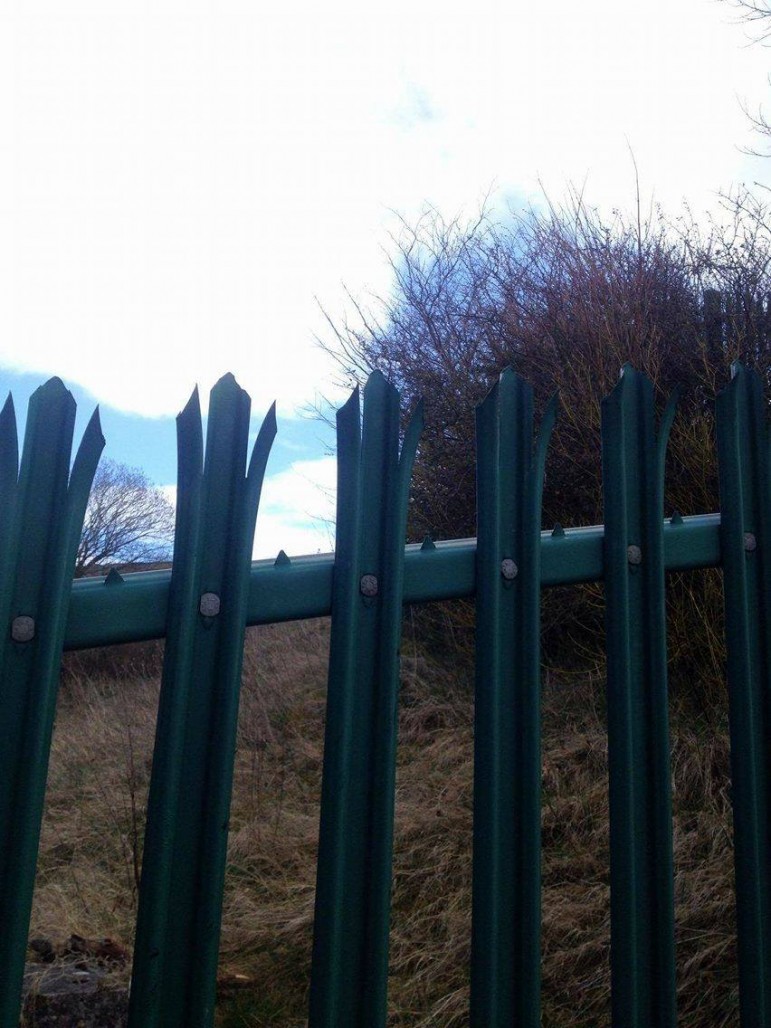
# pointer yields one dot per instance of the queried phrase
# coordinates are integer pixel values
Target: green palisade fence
(42, 511)
(177, 941)
(641, 898)
(743, 447)
(353, 891)
(214, 591)
(505, 953)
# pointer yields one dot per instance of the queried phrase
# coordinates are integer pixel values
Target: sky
(182, 184)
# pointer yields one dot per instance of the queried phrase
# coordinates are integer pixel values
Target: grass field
(91, 845)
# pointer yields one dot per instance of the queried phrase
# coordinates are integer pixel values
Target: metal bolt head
(634, 554)
(368, 585)
(750, 542)
(23, 628)
(509, 569)
(210, 605)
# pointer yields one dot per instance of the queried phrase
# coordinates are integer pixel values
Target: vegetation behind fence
(202, 608)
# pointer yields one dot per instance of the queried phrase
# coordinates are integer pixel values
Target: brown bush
(567, 297)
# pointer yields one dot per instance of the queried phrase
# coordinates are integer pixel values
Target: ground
(92, 835)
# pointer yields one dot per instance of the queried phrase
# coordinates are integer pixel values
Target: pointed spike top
(267, 430)
(192, 408)
(225, 387)
(53, 392)
(492, 392)
(628, 379)
(558, 532)
(675, 396)
(553, 407)
(378, 385)
(513, 385)
(114, 578)
(9, 409)
(281, 560)
(677, 518)
(270, 420)
(262, 447)
(375, 379)
(409, 448)
(511, 379)
(53, 387)
(9, 444)
(189, 443)
(545, 429)
(742, 378)
(428, 544)
(414, 426)
(351, 404)
(507, 374)
(90, 448)
(94, 427)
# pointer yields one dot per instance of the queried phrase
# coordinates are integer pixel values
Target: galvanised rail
(213, 591)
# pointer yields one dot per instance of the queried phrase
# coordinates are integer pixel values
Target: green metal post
(353, 892)
(41, 518)
(745, 502)
(641, 863)
(183, 867)
(506, 923)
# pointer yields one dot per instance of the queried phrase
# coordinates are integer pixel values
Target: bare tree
(757, 14)
(128, 521)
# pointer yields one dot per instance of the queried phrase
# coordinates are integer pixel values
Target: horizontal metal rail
(104, 612)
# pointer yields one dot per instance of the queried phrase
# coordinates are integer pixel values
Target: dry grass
(96, 802)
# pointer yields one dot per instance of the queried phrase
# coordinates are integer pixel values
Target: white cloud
(178, 181)
(297, 509)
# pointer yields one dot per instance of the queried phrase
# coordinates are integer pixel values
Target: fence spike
(41, 518)
(281, 560)
(180, 899)
(428, 544)
(9, 449)
(505, 954)
(350, 949)
(642, 906)
(745, 505)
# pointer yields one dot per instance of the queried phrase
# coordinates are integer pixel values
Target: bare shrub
(129, 521)
(567, 297)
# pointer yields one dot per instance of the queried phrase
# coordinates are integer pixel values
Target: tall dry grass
(96, 804)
